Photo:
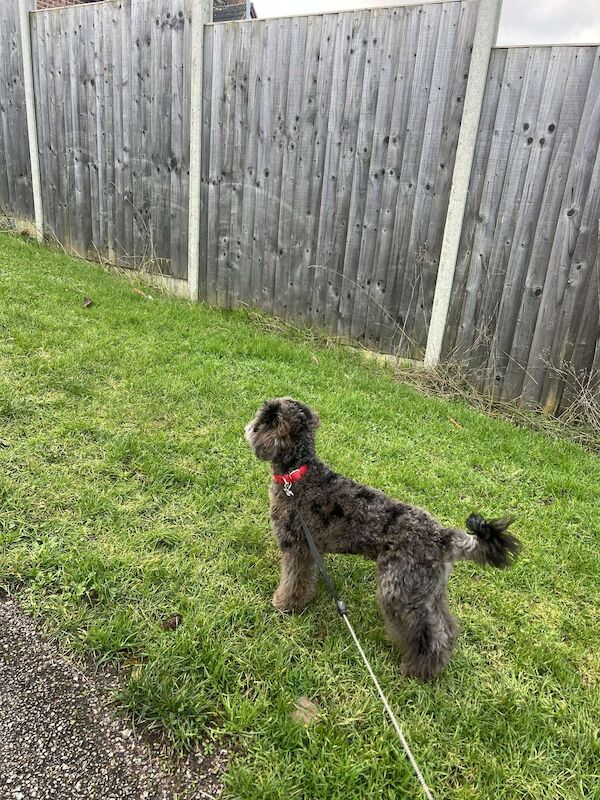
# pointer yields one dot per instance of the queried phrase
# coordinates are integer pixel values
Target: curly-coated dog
(413, 551)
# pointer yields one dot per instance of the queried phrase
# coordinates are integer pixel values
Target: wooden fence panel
(525, 300)
(332, 139)
(16, 194)
(112, 83)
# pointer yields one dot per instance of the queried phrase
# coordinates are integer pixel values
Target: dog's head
(283, 431)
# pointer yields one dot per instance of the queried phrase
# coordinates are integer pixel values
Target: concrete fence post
(201, 15)
(25, 6)
(486, 31)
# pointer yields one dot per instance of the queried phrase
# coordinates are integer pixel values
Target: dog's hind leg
(297, 584)
(417, 620)
(441, 607)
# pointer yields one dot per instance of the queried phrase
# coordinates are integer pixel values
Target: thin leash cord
(388, 708)
(343, 612)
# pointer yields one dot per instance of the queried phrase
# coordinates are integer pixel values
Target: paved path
(60, 739)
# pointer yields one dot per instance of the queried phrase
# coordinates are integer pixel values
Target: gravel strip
(61, 739)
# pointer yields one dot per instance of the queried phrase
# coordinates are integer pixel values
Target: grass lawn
(128, 494)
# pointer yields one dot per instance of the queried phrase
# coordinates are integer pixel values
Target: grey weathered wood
(313, 271)
(280, 69)
(239, 197)
(290, 168)
(206, 180)
(325, 288)
(301, 216)
(379, 75)
(408, 294)
(580, 64)
(217, 122)
(485, 175)
(229, 265)
(138, 82)
(304, 127)
(107, 91)
(327, 140)
(369, 312)
(365, 49)
(126, 50)
(577, 319)
(38, 33)
(92, 44)
(267, 78)
(524, 300)
(16, 196)
(58, 75)
(201, 13)
(109, 95)
(177, 158)
(111, 100)
(523, 83)
(526, 214)
(442, 170)
(399, 279)
(248, 176)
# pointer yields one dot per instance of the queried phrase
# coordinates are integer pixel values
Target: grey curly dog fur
(413, 551)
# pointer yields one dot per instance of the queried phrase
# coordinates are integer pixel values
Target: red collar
(291, 477)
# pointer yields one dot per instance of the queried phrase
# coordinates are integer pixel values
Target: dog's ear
(270, 415)
(275, 418)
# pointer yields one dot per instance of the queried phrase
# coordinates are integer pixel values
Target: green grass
(123, 469)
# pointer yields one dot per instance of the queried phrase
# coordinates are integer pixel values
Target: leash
(343, 612)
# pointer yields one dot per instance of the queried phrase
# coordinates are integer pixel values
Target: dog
(414, 552)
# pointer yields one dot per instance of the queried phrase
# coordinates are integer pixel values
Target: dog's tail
(490, 544)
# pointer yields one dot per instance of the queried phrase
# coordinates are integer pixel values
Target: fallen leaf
(455, 423)
(139, 291)
(172, 622)
(87, 302)
(315, 360)
(305, 712)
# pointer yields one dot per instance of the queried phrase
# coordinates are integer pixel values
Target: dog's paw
(407, 670)
(286, 605)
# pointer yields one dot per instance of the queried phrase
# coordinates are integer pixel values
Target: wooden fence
(16, 199)
(327, 157)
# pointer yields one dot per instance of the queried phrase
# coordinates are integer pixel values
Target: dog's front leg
(297, 584)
